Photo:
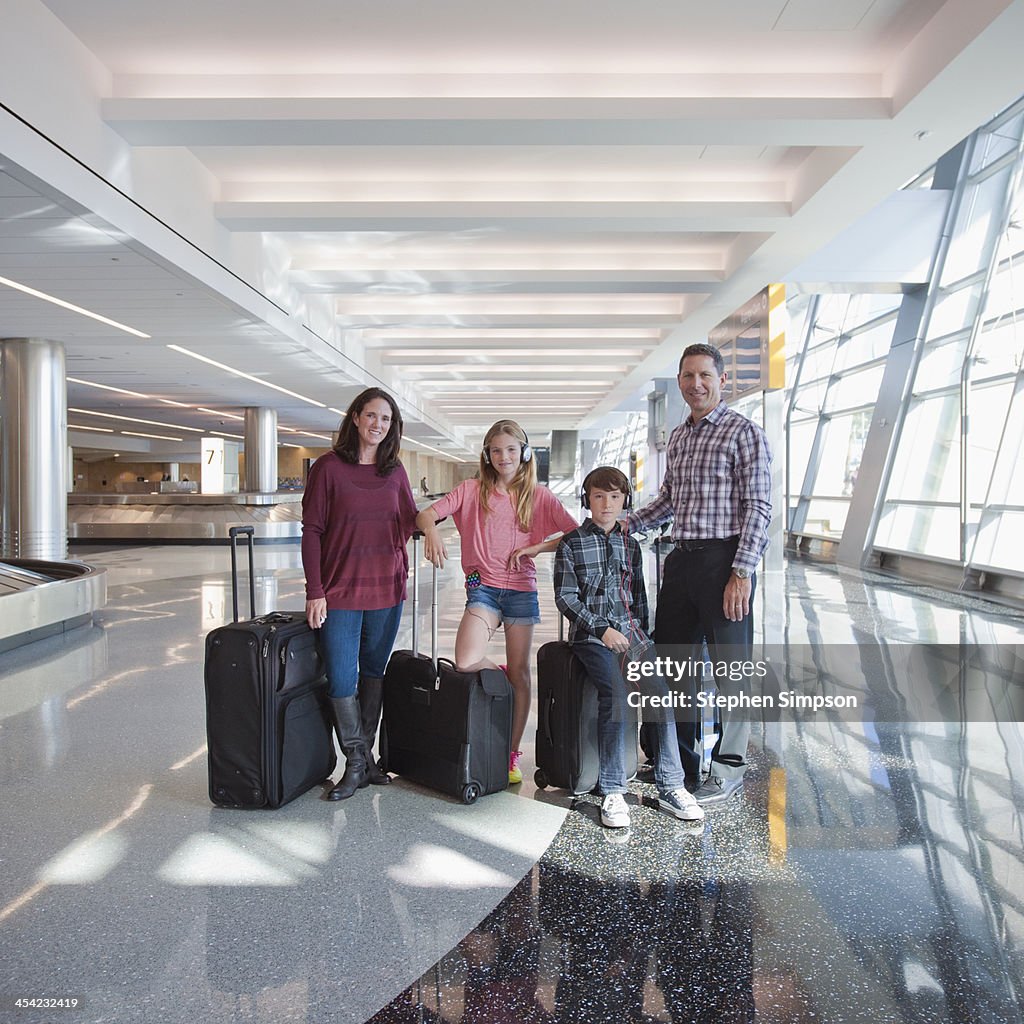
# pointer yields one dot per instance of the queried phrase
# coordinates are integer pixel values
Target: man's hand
(316, 612)
(736, 599)
(615, 641)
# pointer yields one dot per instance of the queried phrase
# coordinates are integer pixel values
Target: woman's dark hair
(347, 445)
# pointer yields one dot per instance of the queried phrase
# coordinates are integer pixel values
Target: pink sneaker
(515, 773)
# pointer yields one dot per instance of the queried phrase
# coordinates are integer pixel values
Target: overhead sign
(753, 344)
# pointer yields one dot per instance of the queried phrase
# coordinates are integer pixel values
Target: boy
(599, 588)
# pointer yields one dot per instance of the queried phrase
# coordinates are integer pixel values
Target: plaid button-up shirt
(599, 582)
(718, 484)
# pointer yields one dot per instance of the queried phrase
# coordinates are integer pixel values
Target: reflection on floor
(870, 871)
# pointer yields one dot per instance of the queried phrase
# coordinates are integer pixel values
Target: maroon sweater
(355, 526)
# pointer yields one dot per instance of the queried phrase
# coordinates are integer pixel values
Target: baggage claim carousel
(182, 518)
(42, 599)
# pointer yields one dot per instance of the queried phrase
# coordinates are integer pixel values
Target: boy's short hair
(605, 478)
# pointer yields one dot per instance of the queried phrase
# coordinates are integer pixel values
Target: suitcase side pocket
(307, 744)
(301, 661)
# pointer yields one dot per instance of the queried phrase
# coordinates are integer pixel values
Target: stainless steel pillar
(260, 450)
(33, 459)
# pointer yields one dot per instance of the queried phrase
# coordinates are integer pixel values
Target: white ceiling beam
(546, 86)
(501, 216)
(524, 280)
(612, 261)
(163, 123)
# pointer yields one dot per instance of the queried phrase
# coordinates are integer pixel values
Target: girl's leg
(518, 643)
(475, 631)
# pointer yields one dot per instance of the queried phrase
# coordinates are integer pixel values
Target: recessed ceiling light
(70, 305)
(108, 387)
(158, 437)
(98, 430)
(246, 376)
(230, 415)
(412, 440)
(135, 419)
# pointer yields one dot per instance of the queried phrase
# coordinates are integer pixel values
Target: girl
(357, 516)
(505, 520)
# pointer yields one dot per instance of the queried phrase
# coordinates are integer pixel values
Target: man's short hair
(606, 478)
(702, 349)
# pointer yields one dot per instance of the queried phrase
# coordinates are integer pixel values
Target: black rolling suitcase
(566, 749)
(443, 728)
(268, 727)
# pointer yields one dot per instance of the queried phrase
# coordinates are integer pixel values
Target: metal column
(34, 455)
(260, 450)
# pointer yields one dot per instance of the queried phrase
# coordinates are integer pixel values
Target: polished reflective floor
(871, 870)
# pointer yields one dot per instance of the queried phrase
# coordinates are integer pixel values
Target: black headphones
(526, 452)
(585, 499)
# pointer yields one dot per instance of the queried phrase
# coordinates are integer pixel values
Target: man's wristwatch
(741, 574)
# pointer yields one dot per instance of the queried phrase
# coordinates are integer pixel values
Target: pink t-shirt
(488, 541)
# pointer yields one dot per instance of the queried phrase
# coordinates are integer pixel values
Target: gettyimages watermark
(854, 682)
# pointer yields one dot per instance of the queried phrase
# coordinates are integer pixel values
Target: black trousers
(689, 613)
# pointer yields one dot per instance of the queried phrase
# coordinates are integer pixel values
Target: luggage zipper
(267, 639)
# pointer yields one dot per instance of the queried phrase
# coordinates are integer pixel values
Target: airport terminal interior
(220, 223)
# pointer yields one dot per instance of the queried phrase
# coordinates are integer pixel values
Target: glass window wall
(954, 491)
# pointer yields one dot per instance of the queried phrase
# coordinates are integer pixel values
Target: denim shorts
(513, 607)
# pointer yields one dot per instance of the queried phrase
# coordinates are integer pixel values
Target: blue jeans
(602, 668)
(513, 607)
(357, 643)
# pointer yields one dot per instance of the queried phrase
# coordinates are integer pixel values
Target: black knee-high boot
(348, 722)
(371, 697)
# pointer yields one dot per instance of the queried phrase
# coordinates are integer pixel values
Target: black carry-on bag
(566, 749)
(443, 728)
(268, 727)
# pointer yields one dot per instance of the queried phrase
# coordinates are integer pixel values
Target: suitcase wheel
(540, 777)
(470, 793)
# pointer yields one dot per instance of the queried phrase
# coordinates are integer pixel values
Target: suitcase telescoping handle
(416, 538)
(234, 533)
(663, 540)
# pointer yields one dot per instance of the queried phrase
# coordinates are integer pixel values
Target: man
(717, 491)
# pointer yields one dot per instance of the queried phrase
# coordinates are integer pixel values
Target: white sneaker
(614, 812)
(681, 804)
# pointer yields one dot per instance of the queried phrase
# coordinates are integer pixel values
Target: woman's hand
(316, 612)
(433, 547)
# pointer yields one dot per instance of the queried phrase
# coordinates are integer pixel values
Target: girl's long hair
(523, 484)
(347, 445)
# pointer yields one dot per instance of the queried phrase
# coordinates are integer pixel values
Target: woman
(358, 513)
(505, 519)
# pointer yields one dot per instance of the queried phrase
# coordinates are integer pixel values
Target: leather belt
(708, 542)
